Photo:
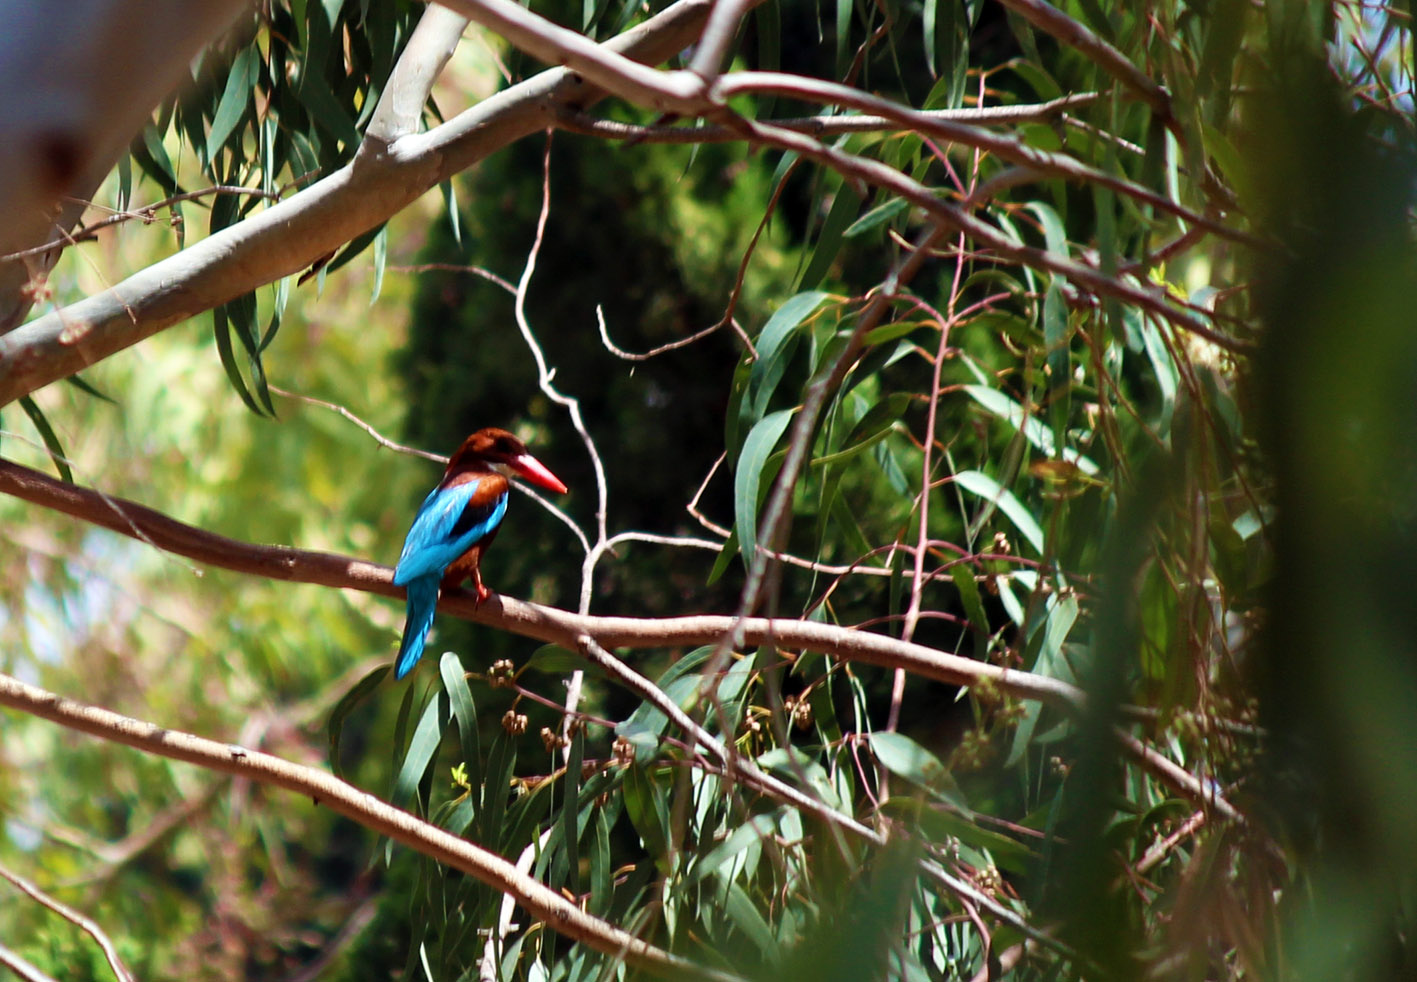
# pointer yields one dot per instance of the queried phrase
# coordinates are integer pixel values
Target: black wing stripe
(472, 516)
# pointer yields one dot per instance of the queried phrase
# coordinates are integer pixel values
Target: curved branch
(1051, 20)
(589, 125)
(564, 628)
(400, 109)
(544, 904)
(74, 917)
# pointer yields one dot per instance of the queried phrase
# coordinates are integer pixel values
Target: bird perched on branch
(456, 524)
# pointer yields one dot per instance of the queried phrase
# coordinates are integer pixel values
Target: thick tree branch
(678, 91)
(381, 180)
(325, 789)
(400, 108)
(73, 101)
(564, 628)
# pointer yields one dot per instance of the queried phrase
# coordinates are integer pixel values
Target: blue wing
(447, 525)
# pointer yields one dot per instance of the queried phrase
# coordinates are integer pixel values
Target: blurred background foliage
(1214, 537)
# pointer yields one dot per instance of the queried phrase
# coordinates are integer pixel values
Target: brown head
(496, 449)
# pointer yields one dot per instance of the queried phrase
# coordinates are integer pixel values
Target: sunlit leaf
(977, 482)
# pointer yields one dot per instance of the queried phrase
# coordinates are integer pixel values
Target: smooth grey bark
(383, 178)
(80, 78)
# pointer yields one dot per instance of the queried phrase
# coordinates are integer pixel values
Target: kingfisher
(456, 524)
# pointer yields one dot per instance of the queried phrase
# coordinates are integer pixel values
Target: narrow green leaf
(767, 18)
(157, 155)
(747, 477)
(640, 806)
(450, 203)
(878, 215)
(1033, 430)
(553, 659)
(774, 351)
(1053, 232)
(381, 255)
(794, 765)
(876, 425)
(421, 749)
(740, 908)
(356, 245)
(754, 830)
(843, 35)
(501, 761)
(601, 884)
(929, 17)
(1055, 338)
(222, 331)
(977, 482)
(570, 812)
(454, 677)
(725, 558)
(240, 81)
(125, 182)
(968, 588)
(282, 297)
(347, 704)
(50, 438)
(940, 825)
(325, 109)
(843, 212)
(78, 382)
(905, 758)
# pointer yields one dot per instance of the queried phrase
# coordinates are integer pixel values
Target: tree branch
(74, 917)
(73, 102)
(400, 109)
(564, 628)
(323, 788)
(381, 180)
(1051, 20)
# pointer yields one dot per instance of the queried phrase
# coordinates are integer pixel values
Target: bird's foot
(481, 592)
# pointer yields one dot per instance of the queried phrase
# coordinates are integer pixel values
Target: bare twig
(680, 92)
(585, 123)
(379, 438)
(654, 352)
(86, 924)
(486, 274)
(24, 969)
(145, 214)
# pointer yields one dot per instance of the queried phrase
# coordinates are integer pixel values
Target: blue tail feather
(422, 604)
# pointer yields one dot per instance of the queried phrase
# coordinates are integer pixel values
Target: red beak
(535, 471)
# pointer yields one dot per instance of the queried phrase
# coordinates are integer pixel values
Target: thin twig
(624, 355)
(24, 969)
(146, 214)
(486, 274)
(86, 924)
(834, 125)
(379, 438)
